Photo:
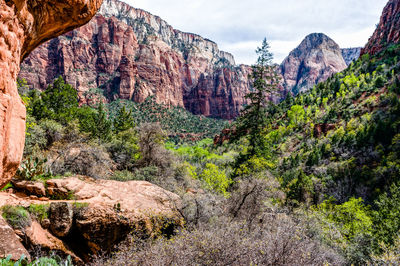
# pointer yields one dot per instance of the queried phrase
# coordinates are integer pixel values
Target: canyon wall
(128, 53)
(23, 26)
(387, 31)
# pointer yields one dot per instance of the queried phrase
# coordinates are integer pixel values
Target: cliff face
(387, 31)
(23, 26)
(130, 54)
(313, 61)
(351, 54)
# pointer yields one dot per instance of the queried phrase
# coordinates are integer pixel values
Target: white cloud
(239, 26)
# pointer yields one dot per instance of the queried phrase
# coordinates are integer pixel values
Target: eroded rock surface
(387, 31)
(10, 244)
(313, 61)
(61, 216)
(90, 215)
(23, 26)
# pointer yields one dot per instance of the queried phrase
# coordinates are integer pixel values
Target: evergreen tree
(95, 122)
(60, 101)
(253, 118)
(123, 121)
(103, 125)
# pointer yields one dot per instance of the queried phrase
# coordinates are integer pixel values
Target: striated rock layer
(128, 53)
(23, 26)
(313, 61)
(387, 31)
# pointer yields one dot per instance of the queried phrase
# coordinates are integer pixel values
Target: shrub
(33, 168)
(151, 143)
(123, 176)
(83, 159)
(215, 179)
(39, 211)
(17, 217)
(278, 241)
(53, 131)
(386, 218)
(124, 149)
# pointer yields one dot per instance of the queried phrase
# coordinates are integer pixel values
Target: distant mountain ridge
(313, 61)
(128, 53)
(351, 54)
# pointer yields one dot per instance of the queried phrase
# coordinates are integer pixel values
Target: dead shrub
(82, 159)
(278, 241)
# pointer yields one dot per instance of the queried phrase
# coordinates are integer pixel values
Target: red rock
(387, 31)
(10, 243)
(36, 236)
(131, 54)
(23, 26)
(320, 129)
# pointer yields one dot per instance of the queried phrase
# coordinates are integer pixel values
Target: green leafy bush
(17, 217)
(215, 179)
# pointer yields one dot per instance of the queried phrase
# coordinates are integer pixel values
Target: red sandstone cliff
(387, 31)
(23, 26)
(128, 53)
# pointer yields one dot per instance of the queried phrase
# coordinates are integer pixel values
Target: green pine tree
(60, 101)
(123, 121)
(253, 118)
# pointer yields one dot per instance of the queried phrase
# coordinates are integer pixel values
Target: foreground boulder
(23, 26)
(61, 217)
(88, 216)
(10, 243)
(37, 237)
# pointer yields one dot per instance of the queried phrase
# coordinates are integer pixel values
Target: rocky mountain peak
(317, 41)
(387, 31)
(313, 61)
(146, 24)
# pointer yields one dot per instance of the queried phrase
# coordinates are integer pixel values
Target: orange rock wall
(23, 26)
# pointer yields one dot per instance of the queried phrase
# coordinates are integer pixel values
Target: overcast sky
(238, 26)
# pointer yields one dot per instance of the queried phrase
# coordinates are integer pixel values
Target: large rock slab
(38, 237)
(91, 216)
(23, 26)
(10, 243)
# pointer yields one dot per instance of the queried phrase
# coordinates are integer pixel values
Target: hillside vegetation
(314, 181)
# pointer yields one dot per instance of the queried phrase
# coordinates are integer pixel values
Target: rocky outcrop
(91, 216)
(127, 53)
(10, 243)
(23, 26)
(387, 31)
(38, 237)
(351, 54)
(61, 216)
(313, 61)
